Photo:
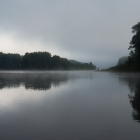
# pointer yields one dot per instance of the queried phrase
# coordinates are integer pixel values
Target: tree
(135, 42)
(36, 60)
(56, 62)
(135, 47)
(9, 61)
(64, 63)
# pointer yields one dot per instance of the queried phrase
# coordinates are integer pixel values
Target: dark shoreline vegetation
(40, 61)
(133, 62)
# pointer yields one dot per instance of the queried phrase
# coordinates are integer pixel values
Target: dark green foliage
(10, 61)
(60, 63)
(55, 61)
(133, 62)
(84, 66)
(135, 47)
(36, 60)
(43, 61)
(64, 63)
(39, 61)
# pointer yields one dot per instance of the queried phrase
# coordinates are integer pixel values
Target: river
(69, 105)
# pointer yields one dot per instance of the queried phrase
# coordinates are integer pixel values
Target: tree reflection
(134, 97)
(133, 81)
(35, 81)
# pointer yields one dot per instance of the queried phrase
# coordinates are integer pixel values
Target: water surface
(69, 105)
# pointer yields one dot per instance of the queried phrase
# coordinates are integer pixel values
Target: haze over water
(69, 105)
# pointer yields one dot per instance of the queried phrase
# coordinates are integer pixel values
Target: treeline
(39, 61)
(10, 61)
(83, 66)
(130, 65)
(133, 62)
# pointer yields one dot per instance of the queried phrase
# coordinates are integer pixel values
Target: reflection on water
(27, 86)
(133, 81)
(35, 81)
(134, 86)
(86, 105)
(39, 80)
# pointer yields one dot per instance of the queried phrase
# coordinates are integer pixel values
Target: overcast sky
(97, 31)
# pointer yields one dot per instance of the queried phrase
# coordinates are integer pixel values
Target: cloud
(97, 31)
(11, 43)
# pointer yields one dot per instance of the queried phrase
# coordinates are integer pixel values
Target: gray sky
(97, 31)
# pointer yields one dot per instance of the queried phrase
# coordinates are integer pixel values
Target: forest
(40, 61)
(133, 62)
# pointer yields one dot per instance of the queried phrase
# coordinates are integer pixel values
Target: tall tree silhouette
(135, 47)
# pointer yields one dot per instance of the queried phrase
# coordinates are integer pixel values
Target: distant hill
(81, 66)
(121, 66)
(74, 61)
(122, 60)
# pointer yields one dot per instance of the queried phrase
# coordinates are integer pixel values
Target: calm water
(72, 105)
